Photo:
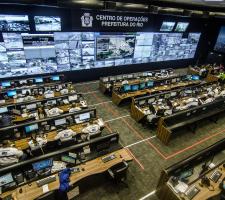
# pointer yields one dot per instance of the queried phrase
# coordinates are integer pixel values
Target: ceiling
(139, 5)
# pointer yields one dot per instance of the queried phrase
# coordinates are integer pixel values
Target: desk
(96, 166)
(23, 143)
(117, 98)
(204, 193)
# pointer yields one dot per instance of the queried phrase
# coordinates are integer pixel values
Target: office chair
(47, 196)
(118, 172)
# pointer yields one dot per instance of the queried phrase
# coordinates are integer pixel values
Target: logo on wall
(86, 20)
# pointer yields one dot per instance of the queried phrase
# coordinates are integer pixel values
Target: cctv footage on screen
(23, 53)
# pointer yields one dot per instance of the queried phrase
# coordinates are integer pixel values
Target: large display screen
(28, 54)
(220, 43)
(181, 26)
(47, 23)
(167, 26)
(14, 23)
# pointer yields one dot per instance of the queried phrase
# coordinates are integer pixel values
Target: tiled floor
(151, 156)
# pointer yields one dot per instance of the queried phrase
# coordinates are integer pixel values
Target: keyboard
(108, 158)
(46, 180)
(215, 176)
(191, 193)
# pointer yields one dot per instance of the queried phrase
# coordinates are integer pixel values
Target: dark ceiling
(199, 5)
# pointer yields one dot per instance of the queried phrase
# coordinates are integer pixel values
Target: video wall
(48, 50)
(220, 43)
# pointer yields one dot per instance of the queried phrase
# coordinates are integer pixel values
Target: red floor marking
(195, 144)
(157, 150)
(135, 159)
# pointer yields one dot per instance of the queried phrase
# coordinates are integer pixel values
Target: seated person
(53, 111)
(65, 135)
(10, 154)
(37, 142)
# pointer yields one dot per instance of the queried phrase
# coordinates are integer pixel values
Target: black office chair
(47, 196)
(118, 172)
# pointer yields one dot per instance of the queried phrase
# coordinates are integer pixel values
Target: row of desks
(117, 97)
(96, 166)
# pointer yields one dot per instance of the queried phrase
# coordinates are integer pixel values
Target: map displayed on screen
(28, 54)
(47, 23)
(220, 43)
(14, 23)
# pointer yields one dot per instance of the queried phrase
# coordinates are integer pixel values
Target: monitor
(59, 122)
(130, 76)
(220, 43)
(55, 78)
(167, 26)
(31, 128)
(142, 86)
(44, 164)
(150, 84)
(6, 179)
(72, 98)
(23, 82)
(119, 78)
(38, 80)
(189, 77)
(112, 78)
(6, 84)
(195, 77)
(141, 103)
(134, 87)
(84, 116)
(126, 88)
(168, 95)
(68, 159)
(25, 91)
(173, 94)
(181, 26)
(11, 93)
(31, 106)
(151, 100)
(105, 79)
(3, 110)
(174, 80)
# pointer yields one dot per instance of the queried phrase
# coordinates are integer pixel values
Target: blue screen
(42, 165)
(11, 93)
(30, 128)
(38, 80)
(55, 78)
(142, 86)
(150, 84)
(195, 77)
(6, 84)
(126, 88)
(134, 87)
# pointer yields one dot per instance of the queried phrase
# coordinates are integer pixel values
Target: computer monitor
(189, 77)
(31, 128)
(168, 95)
(173, 94)
(68, 159)
(41, 165)
(130, 76)
(141, 103)
(55, 78)
(174, 80)
(11, 93)
(23, 82)
(119, 78)
(126, 88)
(59, 122)
(3, 110)
(112, 78)
(72, 98)
(134, 87)
(84, 116)
(6, 179)
(38, 80)
(105, 79)
(195, 77)
(25, 91)
(31, 106)
(142, 86)
(6, 84)
(150, 84)
(178, 79)
(151, 100)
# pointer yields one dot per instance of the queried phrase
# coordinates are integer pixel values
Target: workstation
(112, 100)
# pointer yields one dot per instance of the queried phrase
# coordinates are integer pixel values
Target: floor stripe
(108, 127)
(140, 141)
(86, 83)
(110, 120)
(148, 195)
(91, 92)
(97, 104)
(135, 159)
